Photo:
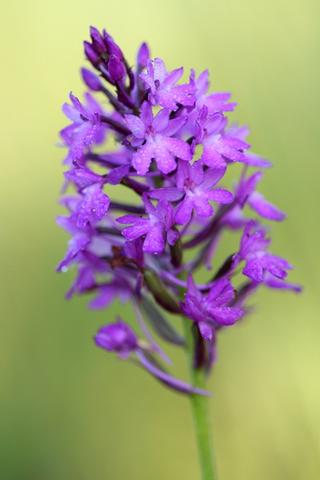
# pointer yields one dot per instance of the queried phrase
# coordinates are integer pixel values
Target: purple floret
(163, 88)
(194, 191)
(260, 265)
(86, 128)
(93, 206)
(213, 309)
(156, 228)
(119, 338)
(154, 137)
(221, 146)
(214, 102)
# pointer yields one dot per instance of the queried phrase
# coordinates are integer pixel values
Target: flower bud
(97, 40)
(116, 69)
(111, 46)
(117, 337)
(105, 55)
(90, 53)
(143, 56)
(91, 80)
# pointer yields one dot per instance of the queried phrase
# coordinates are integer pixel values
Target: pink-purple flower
(86, 128)
(162, 86)
(157, 227)
(153, 137)
(119, 338)
(212, 309)
(260, 265)
(194, 191)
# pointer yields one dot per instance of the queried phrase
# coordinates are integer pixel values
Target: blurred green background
(69, 411)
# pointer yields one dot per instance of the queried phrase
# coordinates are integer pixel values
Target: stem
(199, 406)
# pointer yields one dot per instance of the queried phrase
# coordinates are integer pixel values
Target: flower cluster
(170, 145)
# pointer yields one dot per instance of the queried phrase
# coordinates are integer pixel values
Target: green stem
(199, 405)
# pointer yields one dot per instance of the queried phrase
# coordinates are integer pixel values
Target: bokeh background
(69, 411)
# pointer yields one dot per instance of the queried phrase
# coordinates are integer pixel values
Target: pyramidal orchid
(174, 148)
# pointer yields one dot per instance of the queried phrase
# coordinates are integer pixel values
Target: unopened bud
(91, 80)
(116, 69)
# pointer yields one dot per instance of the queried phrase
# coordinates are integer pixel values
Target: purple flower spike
(174, 152)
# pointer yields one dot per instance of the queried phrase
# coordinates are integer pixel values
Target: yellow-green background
(69, 411)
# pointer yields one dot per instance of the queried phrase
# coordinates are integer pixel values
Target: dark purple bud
(112, 47)
(143, 56)
(90, 53)
(117, 337)
(116, 69)
(91, 80)
(97, 40)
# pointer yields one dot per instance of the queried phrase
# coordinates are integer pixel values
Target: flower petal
(202, 207)
(136, 125)
(221, 293)
(178, 148)
(155, 239)
(137, 230)
(220, 195)
(206, 330)
(254, 270)
(212, 158)
(226, 315)
(171, 194)
(165, 160)
(142, 158)
(184, 211)
(264, 208)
